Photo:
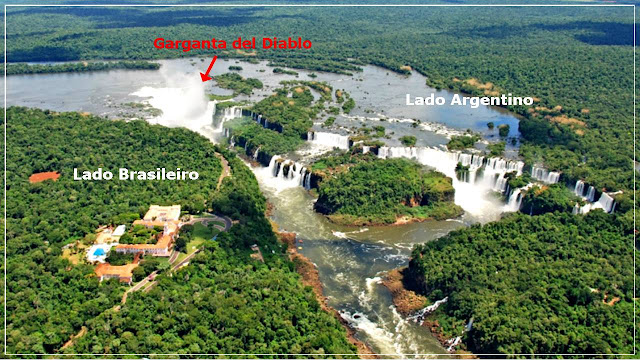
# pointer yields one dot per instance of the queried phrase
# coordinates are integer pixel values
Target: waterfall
(224, 115)
(605, 203)
(285, 173)
(330, 140)
(548, 177)
(306, 180)
(576, 209)
(515, 198)
(255, 154)
(365, 149)
(579, 188)
(591, 194)
(422, 313)
(473, 192)
(452, 343)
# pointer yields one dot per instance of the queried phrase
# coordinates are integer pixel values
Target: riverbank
(408, 302)
(310, 277)
(438, 211)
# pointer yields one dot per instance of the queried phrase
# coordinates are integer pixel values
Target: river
(350, 260)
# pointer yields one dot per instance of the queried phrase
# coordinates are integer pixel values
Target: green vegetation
(224, 301)
(490, 125)
(289, 113)
(503, 130)
(459, 142)
(116, 258)
(15, 69)
(362, 189)
(408, 140)
(214, 306)
(193, 236)
(247, 132)
(525, 280)
(496, 149)
(379, 131)
(237, 83)
(329, 121)
(284, 71)
(45, 216)
(289, 110)
(235, 68)
(140, 234)
(227, 104)
(148, 265)
(554, 283)
(214, 97)
(540, 200)
(515, 182)
(348, 105)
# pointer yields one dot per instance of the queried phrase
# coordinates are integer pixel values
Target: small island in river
(361, 189)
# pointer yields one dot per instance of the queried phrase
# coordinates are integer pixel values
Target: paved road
(227, 220)
(212, 217)
(185, 260)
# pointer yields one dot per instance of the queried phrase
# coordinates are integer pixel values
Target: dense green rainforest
(552, 283)
(223, 302)
(530, 283)
(361, 189)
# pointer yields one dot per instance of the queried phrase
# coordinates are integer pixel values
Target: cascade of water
(576, 209)
(605, 203)
(548, 177)
(256, 153)
(515, 198)
(591, 194)
(287, 171)
(422, 313)
(473, 191)
(579, 188)
(329, 139)
(365, 149)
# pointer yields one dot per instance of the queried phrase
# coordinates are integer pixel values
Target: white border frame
(306, 356)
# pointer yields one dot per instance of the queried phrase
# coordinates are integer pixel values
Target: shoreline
(400, 220)
(310, 277)
(408, 302)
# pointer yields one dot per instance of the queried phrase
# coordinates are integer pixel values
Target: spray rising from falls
(284, 174)
(224, 115)
(183, 103)
(473, 191)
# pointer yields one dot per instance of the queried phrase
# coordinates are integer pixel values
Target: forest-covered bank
(553, 283)
(21, 69)
(240, 299)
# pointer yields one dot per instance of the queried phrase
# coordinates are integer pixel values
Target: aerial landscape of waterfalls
(350, 260)
(484, 175)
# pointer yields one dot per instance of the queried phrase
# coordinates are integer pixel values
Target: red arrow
(205, 76)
